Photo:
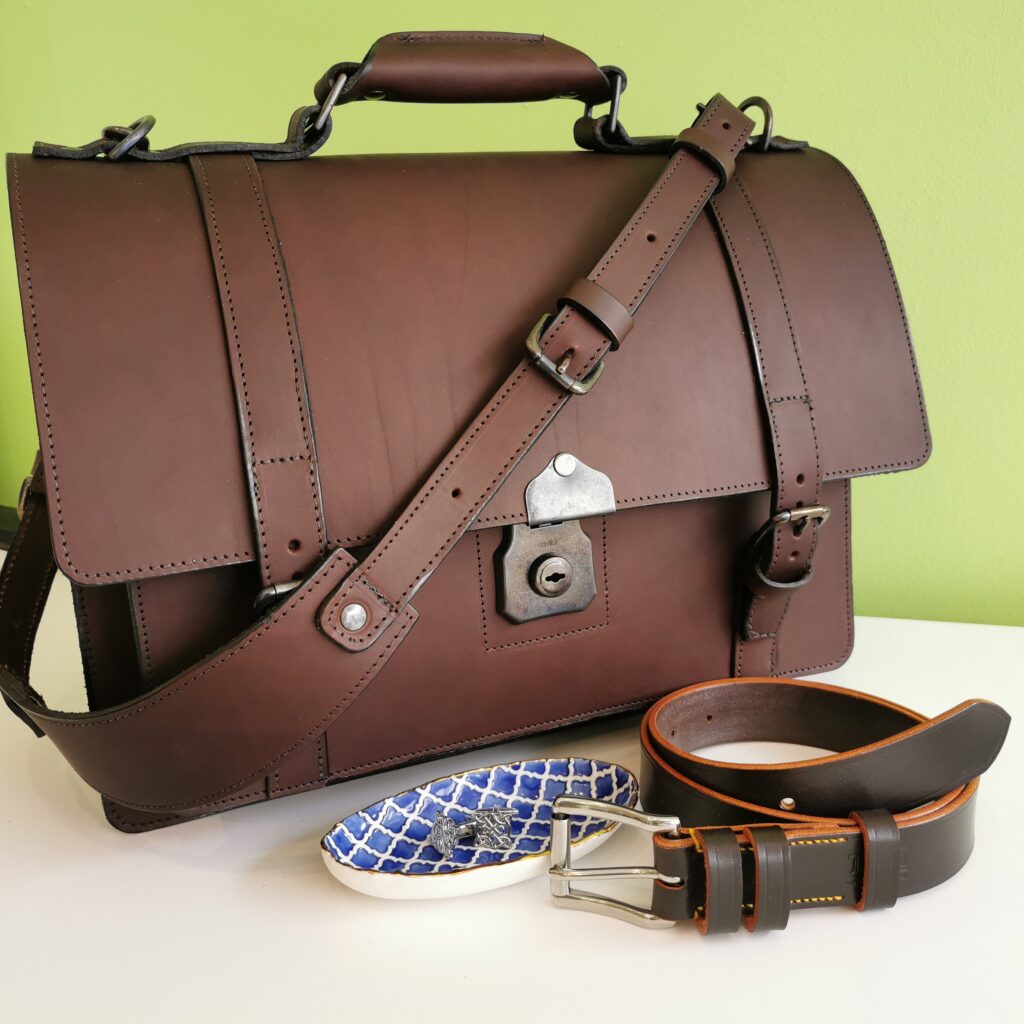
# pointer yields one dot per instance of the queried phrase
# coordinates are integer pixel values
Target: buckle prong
(562, 873)
(802, 513)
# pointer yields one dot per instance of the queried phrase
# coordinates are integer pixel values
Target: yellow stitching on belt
(811, 842)
(816, 899)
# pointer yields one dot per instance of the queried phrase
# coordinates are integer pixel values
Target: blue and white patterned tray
(386, 849)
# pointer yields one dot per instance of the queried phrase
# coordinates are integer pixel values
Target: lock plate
(546, 566)
(528, 554)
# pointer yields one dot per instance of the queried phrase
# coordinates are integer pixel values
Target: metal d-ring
(130, 136)
(619, 81)
(769, 119)
(330, 101)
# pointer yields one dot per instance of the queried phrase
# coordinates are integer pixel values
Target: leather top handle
(413, 67)
(466, 67)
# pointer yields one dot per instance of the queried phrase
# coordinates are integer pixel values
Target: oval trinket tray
(435, 840)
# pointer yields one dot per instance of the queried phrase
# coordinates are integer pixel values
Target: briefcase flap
(415, 280)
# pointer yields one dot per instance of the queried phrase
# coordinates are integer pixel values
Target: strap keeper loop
(773, 889)
(705, 146)
(881, 856)
(599, 306)
(723, 881)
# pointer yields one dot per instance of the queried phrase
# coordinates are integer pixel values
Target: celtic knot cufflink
(489, 828)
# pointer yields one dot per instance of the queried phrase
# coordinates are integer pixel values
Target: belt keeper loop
(773, 889)
(723, 881)
(600, 307)
(705, 146)
(881, 856)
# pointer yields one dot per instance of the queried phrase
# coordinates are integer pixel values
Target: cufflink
(489, 828)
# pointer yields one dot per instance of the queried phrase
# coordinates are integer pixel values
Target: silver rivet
(354, 617)
(551, 576)
(565, 464)
(787, 803)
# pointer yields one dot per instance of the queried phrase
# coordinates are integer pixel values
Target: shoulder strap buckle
(556, 371)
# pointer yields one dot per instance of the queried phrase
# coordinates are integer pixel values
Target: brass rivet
(787, 803)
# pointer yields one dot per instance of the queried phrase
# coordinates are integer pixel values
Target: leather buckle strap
(773, 571)
(568, 352)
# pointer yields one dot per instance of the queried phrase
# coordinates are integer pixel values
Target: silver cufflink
(489, 828)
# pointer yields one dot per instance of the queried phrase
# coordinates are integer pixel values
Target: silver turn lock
(546, 565)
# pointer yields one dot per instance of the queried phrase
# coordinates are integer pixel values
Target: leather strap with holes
(265, 356)
(890, 813)
(779, 557)
(592, 320)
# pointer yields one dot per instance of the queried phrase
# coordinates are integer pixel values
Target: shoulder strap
(205, 734)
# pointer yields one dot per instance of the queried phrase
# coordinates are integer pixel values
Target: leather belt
(889, 814)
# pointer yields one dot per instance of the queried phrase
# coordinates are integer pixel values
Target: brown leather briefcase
(356, 460)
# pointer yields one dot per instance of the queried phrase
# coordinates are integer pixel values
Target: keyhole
(551, 576)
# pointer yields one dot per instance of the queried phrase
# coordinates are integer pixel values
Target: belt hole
(651, 236)
(294, 545)
(794, 555)
(726, 125)
(800, 478)
(457, 493)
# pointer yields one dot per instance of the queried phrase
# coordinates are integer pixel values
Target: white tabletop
(235, 917)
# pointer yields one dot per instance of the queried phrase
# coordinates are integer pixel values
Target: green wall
(921, 100)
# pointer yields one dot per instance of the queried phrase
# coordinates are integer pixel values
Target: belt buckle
(556, 371)
(800, 515)
(562, 874)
